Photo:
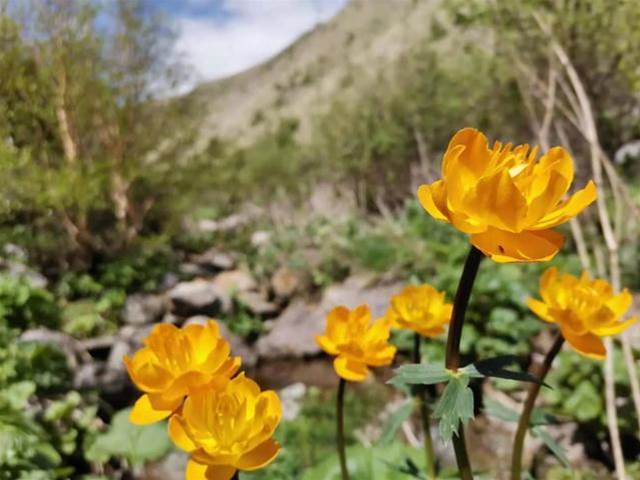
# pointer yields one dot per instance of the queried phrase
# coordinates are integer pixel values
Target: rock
(260, 238)
(234, 282)
(285, 282)
(65, 342)
(357, 290)
(86, 377)
(237, 344)
(141, 309)
(293, 332)
(171, 467)
(291, 398)
(118, 351)
(190, 270)
(214, 260)
(198, 296)
(256, 304)
(169, 280)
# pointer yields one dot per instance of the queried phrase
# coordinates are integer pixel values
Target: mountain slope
(367, 39)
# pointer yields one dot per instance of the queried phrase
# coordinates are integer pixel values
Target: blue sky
(222, 37)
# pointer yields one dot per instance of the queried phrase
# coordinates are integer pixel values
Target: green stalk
(342, 452)
(540, 372)
(452, 358)
(425, 415)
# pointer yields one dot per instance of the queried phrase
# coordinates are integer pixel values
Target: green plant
(24, 306)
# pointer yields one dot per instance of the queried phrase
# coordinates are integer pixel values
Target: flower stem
(540, 372)
(342, 453)
(452, 357)
(425, 415)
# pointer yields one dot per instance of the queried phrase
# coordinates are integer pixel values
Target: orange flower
(583, 308)
(356, 342)
(227, 430)
(422, 309)
(176, 362)
(506, 198)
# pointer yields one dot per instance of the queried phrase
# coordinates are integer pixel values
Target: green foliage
(133, 443)
(24, 306)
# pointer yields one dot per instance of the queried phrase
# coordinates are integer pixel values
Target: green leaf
(137, 444)
(552, 445)
(455, 406)
(504, 413)
(394, 422)
(420, 374)
(494, 367)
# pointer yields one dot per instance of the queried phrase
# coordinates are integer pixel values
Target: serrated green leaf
(552, 445)
(394, 422)
(454, 407)
(420, 374)
(504, 413)
(494, 367)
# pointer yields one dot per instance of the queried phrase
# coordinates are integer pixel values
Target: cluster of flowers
(221, 418)
(584, 309)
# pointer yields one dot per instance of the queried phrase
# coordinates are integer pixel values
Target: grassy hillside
(367, 40)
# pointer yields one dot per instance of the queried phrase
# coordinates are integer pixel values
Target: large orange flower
(356, 342)
(176, 362)
(506, 198)
(227, 430)
(584, 309)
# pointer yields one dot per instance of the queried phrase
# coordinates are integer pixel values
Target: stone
(292, 397)
(190, 270)
(293, 332)
(256, 304)
(234, 281)
(65, 342)
(141, 309)
(214, 260)
(260, 238)
(286, 282)
(198, 296)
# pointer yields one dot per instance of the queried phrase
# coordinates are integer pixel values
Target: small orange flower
(422, 309)
(356, 342)
(583, 308)
(506, 198)
(227, 430)
(176, 362)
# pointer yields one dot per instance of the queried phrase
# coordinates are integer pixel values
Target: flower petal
(143, 413)
(350, 370)
(327, 345)
(179, 435)
(473, 157)
(526, 246)
(220, 472)
(432, 198)
(196, 471)
(260, 456)
(620, 303)
(540, 309)
(588, 344)
(615, 328)
(570, 208)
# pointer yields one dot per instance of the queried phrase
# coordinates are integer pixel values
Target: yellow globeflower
(583, 308)
(227, 430)
(422, 309)
(176, 362)
(506, 198)
(356, 342)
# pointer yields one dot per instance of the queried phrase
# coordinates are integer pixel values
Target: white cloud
(250, 32)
